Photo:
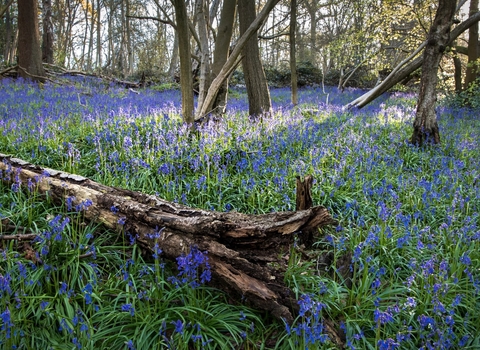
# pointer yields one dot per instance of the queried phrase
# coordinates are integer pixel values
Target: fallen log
(247, 253)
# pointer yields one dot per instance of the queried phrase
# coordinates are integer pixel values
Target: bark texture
(231, 63)
(293, 60)
(29, 52)
(472, 67)
(47, 36)
(220, 55)
(425, 126)
(255, 79)
(204, 78)
(186, 79)
(247, 253)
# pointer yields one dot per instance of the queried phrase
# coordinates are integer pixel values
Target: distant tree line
(334, 38)
(202, 43)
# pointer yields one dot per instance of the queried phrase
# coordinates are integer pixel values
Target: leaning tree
(226, 63)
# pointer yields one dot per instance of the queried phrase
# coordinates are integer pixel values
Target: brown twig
(8, 70)
(86, 255)
(19, 237)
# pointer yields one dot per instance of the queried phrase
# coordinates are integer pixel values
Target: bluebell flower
(465, 259)
(388, 344)
(382, 318)
(189, 267)
(178, 326)
(242, 316)
(64, 326)
(128, 308)
(7, 323)
(63, 288)
(426, 321)
(130, 345)
(88, 290)
(156, 251)
(463, 341)
(22, 270)
(69, 201)
(410, 303)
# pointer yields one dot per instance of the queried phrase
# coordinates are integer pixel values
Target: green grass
(401, 270)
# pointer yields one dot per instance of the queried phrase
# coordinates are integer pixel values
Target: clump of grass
(408, 219)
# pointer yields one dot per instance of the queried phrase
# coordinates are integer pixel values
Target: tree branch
(164, 21)
(232, 59)
(407, 66)
(2, 11)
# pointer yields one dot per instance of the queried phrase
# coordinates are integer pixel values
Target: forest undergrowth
(408, 216)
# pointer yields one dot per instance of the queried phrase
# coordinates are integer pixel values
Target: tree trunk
(90, 39)
(247, 253)
(231, 63)
(99, 36)
(204, 78)
(220, 55)
(129, 68)
(312, 12)
(174, 58)
(293, 60)
(10, 34)
(186, 80)
(81, 64)
(425, 127)
(29, 52)
(407, 67)
(472, 66)
(255, 80)
(457, 64)
(47, 37)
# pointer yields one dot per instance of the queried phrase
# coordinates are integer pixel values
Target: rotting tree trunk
(247, 253)
(304, 193)
(425, 126)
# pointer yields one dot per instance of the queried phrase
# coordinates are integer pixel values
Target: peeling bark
(247, 253)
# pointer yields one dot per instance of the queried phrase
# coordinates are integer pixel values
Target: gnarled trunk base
(421, 135)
